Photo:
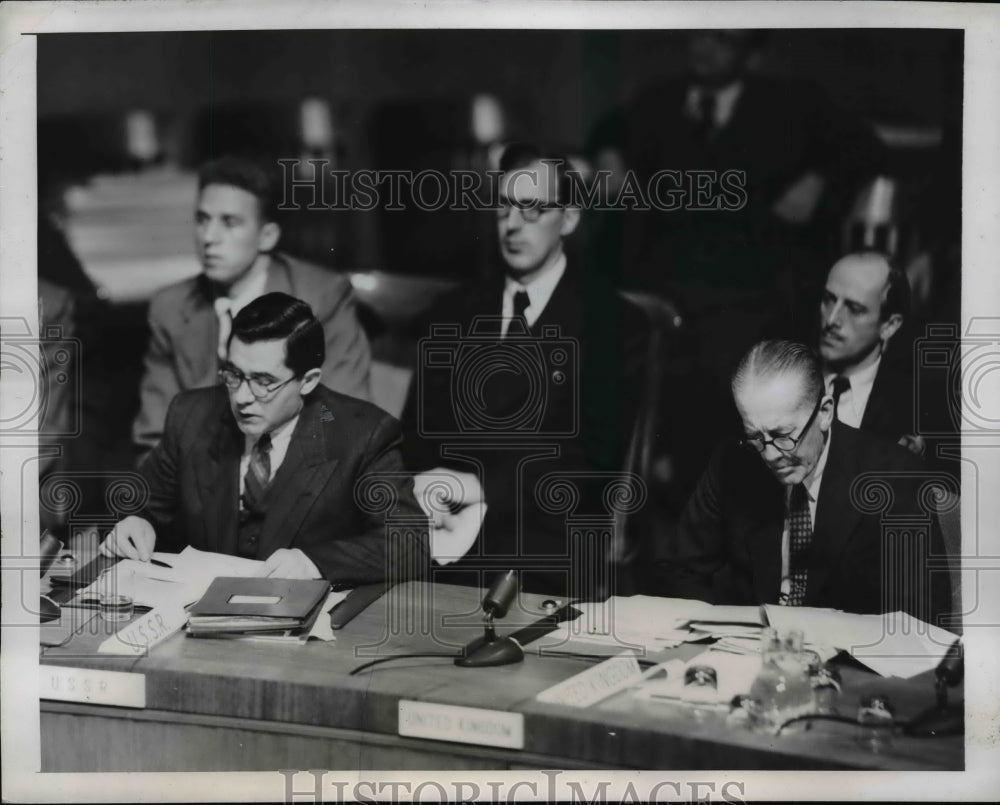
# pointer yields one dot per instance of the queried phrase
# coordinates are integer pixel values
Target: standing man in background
(236, 235)
(864, 303)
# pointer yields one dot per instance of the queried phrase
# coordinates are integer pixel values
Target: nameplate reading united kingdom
(91, 686)
(467, 725)
(594, 684)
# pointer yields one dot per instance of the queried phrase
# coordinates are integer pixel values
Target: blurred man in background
(864, 303)
(550, 387)
(236, 236)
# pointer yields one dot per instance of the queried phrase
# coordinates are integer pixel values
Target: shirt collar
(541, 288)
(280, 436)
(254, 287)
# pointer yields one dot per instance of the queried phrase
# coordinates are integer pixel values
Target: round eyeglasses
(260, 389)
(785, 443)
(530, 211)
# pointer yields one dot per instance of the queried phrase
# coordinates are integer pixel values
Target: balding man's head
(864, 303)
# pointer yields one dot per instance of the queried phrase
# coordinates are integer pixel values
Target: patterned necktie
(224, 312)
(521, 303)
(258, 473)
(800, 533)
(840, 385)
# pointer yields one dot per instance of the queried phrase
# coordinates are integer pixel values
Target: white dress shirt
(725, 103)
(226, 307)
(280, 439)
(812, 485)
(852, 403)
(540, 290)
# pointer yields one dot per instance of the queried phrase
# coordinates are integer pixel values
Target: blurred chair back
(633, 533)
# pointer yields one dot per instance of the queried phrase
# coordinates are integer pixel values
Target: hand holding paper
(453, 501)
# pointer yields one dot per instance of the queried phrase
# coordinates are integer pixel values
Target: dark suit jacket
(579, 423)
(779, 130)
(889, 410)
(184, 338)
(728, 543)
(193, 476)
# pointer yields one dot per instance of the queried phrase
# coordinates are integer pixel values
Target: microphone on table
(943, 718)
(490, 649)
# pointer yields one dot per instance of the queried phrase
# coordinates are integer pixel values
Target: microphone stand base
(481, 653)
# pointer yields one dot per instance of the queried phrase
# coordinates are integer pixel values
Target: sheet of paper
(893, 644)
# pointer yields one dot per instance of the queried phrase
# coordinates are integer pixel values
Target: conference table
(196, 704)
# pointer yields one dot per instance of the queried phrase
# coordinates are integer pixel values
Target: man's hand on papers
(289, 563)
(453, 502)
(131, 538)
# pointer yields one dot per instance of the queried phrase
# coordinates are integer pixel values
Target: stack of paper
(171, 580)
(893, 644)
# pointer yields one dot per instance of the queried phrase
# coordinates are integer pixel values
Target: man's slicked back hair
(773, 358)
(280, 317)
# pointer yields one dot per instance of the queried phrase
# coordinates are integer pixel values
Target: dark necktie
(224, 312)
(258, 473)
(840, 385)
(706, 114)
(521, 303)
(800, 539)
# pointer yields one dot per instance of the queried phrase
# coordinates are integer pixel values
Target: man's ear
(310, 380)
(570, 221)
(888, 328)
(825, 415)
(268, 237)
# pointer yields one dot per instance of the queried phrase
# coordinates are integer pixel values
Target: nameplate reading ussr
(92, 686)
(467, 725)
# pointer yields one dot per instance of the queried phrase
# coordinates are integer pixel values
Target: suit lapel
(836, 518)
(200, 327)
(767, 499)
(218, 483)
(307, 466)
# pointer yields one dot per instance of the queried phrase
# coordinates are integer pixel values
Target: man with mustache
(782, 516)
(864, 304)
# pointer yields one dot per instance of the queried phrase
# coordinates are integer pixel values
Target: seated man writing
(783, 517)
(265, 465)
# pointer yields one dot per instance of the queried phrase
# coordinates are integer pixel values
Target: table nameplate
(468, 725)
(92, 686)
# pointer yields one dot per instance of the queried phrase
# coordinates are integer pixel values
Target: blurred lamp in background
(487, 119)
(873, 221)
(141, 140)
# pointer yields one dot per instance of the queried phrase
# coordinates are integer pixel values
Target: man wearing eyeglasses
(551, 389)
(265, 465)
(783, 516)
(236, 238)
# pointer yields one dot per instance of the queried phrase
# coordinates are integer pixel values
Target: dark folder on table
(358, 600)
(244, 605)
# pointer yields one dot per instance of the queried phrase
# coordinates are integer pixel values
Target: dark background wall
(556, 78)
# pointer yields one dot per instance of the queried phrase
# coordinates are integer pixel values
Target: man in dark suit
(524, 377)
(268, 464)
(864, 303)
(794, 514)
(734, 262)
(236, 236)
